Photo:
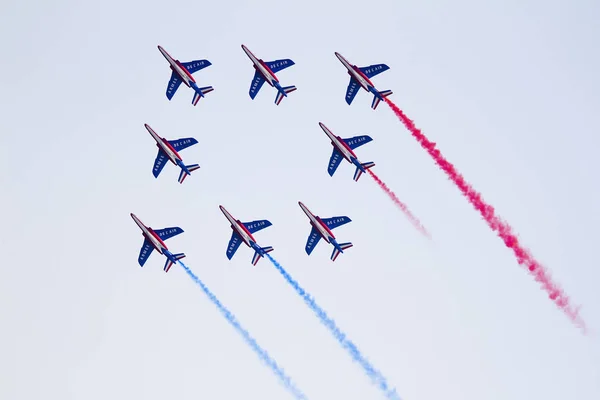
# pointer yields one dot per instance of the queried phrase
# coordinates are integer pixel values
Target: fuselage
(318, 224)
(339, 144)
(356, 73)
(261, 67)
(150, 235)
(165, 146)
(179, 69)
(239, 228)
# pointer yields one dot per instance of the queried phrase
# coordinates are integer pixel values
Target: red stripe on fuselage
(343, 143)
(326, 228)
(268, 69)
(155, 235)
(166, 142)
(185, 71)
(358, 71)
(245, 230)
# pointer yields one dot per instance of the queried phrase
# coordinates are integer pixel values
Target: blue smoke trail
(376, 376)
(264, 356)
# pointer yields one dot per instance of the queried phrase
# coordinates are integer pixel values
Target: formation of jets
(242, 232)
(265, 72)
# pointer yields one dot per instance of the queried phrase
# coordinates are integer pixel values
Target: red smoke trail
(414, 220)
(502, 228)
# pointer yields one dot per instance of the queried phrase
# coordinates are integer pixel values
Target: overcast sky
(509, 90)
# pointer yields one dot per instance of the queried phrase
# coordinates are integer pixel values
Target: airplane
(342, 148)
(242, 232)
(360, 77)
(182, 72)
(265, 71)
(321, 228)
(154, 239)
(167, 150)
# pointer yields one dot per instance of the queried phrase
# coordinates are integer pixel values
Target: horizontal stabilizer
(170, 262)
(206, 89)
(183, 174)
(337, 251)
(256, 226)
(280, 95)
(377, 99)
(364, 166)
(258, 255)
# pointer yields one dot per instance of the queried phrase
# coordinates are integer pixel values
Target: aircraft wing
(334, 222)
(196, 65)
(334, 161)
(357, 141)
(278, 65)
(256, 84)
(256, 226)
(312, 241)
(159, 163)
(374, 69)
(234, 244)
(353, 88)
(174, 83)
(168, 233)
(145, 252)
(180, 144)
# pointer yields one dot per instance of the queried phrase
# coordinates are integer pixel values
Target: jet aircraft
(242, 232)
(321, 228)
(265, 72)
(182, 72)
(360, 77)
(342, 149)
(167, 151)
(154, 239)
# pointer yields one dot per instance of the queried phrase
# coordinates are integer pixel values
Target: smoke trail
(414, 220)
(264, 356)
(341, 337)
(524, 257)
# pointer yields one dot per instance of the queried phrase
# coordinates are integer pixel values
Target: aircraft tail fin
(377, 99)
(170, 262)
(359, 171)
(183, 174)
(258, 255)
(200, 92)
(286, 90)
(337, 251)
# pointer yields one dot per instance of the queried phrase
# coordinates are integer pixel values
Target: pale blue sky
(508, 90)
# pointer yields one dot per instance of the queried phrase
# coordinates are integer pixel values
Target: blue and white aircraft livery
(359, 77)
(154, 240)
(167, 151)
(342, 149)
(265, 71)
(321, 228)
(242, 232)
(182, 72)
